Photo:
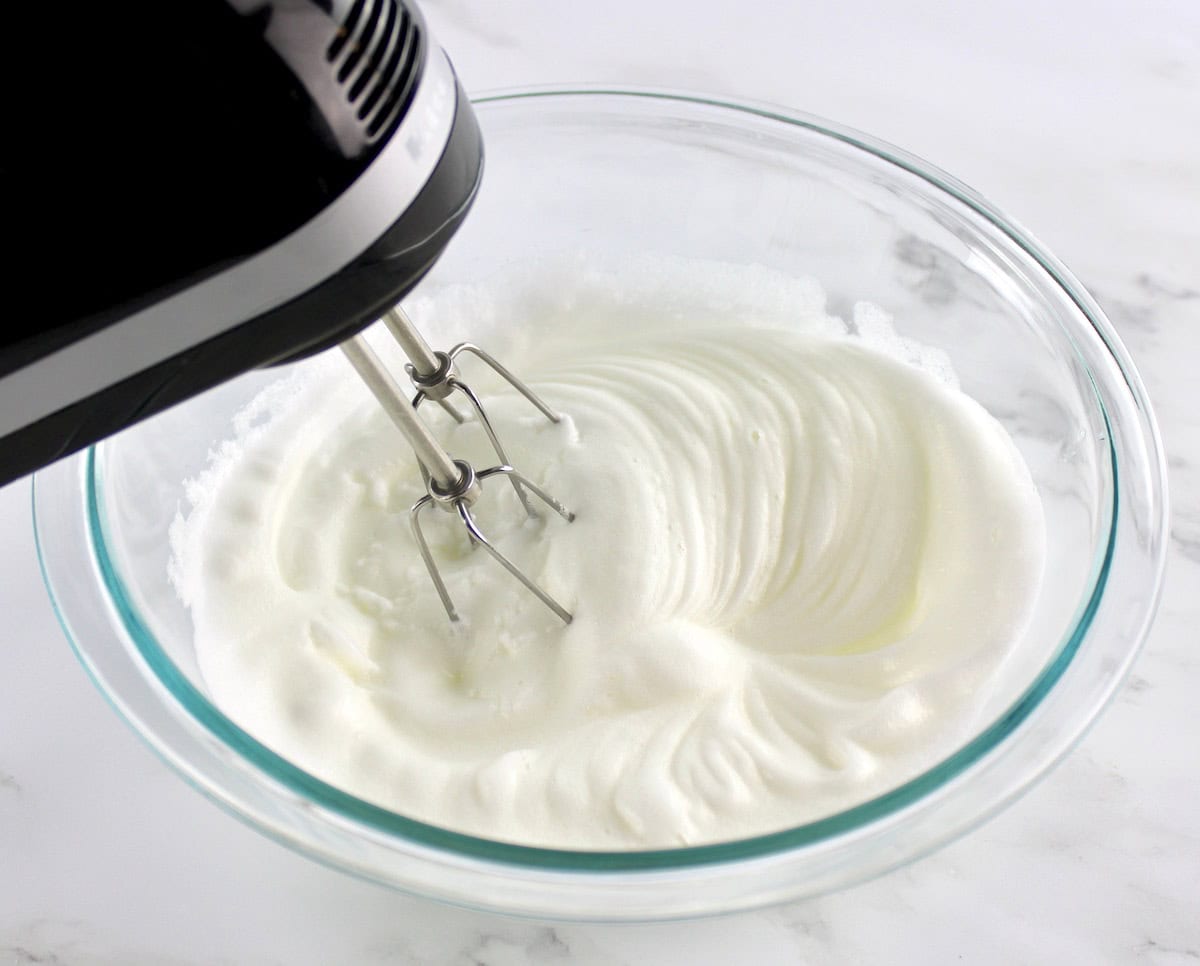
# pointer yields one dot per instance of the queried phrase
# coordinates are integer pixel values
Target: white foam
(798, 550)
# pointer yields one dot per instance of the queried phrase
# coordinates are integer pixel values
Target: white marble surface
(1082, 119)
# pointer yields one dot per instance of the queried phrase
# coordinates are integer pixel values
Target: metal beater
(451, 484)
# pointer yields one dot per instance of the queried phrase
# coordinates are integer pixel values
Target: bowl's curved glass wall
(597, 175)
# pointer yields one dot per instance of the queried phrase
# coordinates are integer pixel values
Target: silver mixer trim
(318, 249)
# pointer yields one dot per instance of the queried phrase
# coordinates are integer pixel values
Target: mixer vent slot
(375, 57)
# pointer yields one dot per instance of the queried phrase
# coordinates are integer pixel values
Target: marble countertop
(1082, 120)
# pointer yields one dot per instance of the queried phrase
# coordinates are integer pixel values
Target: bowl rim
(858, 817)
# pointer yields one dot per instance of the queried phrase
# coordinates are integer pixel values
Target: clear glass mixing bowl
(603, 172)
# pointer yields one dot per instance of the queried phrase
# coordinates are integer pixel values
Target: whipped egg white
(797, 557)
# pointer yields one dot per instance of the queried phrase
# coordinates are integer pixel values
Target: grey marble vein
(939, 280)
(19, 954)
(1186, 543)
(1156, 288)
(50, 942)
(503, 944)
(1158, 951)
(541, 944)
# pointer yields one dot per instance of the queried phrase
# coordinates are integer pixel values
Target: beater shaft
(424, 361)
(394, 400)
(411, 341)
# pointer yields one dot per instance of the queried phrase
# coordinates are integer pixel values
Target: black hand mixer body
(231, 184)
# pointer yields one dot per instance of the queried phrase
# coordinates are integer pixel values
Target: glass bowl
(604, 173)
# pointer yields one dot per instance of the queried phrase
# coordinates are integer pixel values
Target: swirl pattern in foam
(796, 560)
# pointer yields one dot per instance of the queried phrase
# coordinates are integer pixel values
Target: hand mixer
(233, 184)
